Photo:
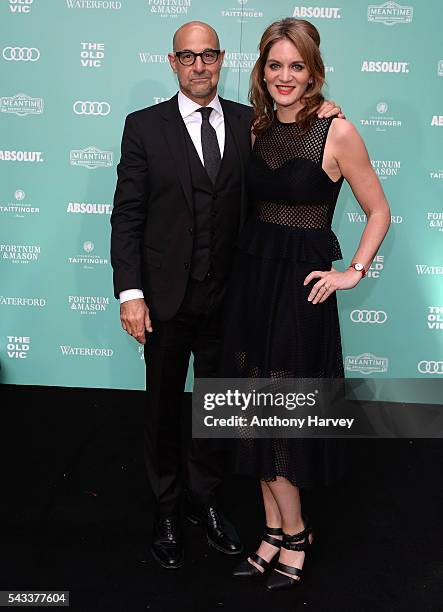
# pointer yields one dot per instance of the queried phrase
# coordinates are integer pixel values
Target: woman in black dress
(281, 316)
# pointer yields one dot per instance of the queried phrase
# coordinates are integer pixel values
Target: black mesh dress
(272, 331)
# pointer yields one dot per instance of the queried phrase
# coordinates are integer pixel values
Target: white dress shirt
(193, 120)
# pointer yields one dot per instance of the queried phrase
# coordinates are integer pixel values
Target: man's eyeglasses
(208, 56)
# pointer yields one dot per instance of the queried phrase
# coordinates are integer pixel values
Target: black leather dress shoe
(220, 532)
(167, 542)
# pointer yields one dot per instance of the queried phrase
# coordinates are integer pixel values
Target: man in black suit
(179, 204)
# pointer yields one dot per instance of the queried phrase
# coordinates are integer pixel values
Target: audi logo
(368, 316)
(21, 54)
(86, 107)
(430, 367)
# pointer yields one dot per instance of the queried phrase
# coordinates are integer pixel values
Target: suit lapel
(175, 138)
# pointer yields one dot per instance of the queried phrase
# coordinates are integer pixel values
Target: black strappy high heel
(246, 570)
(299, 541)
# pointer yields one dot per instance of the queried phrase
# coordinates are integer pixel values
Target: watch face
(358, 267)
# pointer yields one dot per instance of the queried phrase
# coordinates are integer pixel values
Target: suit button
(186, 265)
(214, 196)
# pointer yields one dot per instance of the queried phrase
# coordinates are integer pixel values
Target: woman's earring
(264, 79)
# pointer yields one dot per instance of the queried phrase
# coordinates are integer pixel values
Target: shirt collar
(187, 106)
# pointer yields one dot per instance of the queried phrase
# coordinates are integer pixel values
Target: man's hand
(328, 109)
(134, 317)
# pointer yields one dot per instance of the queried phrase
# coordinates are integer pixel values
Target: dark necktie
(211, 150)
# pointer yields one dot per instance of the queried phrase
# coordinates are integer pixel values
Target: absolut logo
(18, 347)
(366, 363)
(385, 66)
(91, 305)
(390, 13)
(92, 54)
(435, 220)
(435, 318)
(84, 208)
(19, 253)
(21, 105)
(22, 156)
(437, 121)
(317, 12)
(386, 168)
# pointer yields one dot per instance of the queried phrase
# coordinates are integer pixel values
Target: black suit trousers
(173, 462)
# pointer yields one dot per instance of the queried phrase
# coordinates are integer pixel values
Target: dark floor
(76, 516)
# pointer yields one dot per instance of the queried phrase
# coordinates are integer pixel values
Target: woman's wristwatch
(359, 268)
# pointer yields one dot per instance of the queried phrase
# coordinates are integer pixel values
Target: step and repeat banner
(71, 70)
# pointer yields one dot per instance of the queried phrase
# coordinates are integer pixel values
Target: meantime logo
(366, 363)
(385, 168)
(92, 54)
(18, 347)
(390, 13)
(169, 8)
(88, 305)
(435, 318)
(112, 5)
(240, 61)
(152, 58)
(316, 12)
(91, 157)
(20, 6)
(17, 208)
(21, 156)
(382, 121)
(88, 260)
(19, 253)
(73, 351)
(30, 302)
(21, 105)
(84, 208)
(385, 66)
(435, 220)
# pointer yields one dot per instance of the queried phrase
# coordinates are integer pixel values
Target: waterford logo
(366, 363)
(390, 13)
(431, 270)
(94, 4)
(355, 217)
(22, 301)
(91, 158)
(152, 58)
(318, 12)
(85, 351)
(21, 105)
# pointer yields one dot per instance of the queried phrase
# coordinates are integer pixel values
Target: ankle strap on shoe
(298, 541)
(274, 530)
(270, 540)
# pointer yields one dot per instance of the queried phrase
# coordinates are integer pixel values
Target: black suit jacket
(151, 241)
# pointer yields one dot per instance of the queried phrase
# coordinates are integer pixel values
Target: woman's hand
(329, 282)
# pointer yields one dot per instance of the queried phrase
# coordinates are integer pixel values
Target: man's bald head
(186, 28)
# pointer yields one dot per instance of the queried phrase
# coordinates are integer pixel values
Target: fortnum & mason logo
(390, 13)
(316, 12)
(91, 157)
(169, 8)
(435, 220)
(366, 363)
(20, 6)
(239, 61)
(19, 253)
(21, 105)
(88, 304)
(385, 168)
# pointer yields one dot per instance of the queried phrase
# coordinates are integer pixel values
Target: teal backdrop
(71, 70)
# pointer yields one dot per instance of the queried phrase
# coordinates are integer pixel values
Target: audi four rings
(430, 367)
(86, 107)
(368, 316)
(21, 54)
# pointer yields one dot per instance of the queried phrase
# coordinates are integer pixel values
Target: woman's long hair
(307, 40)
